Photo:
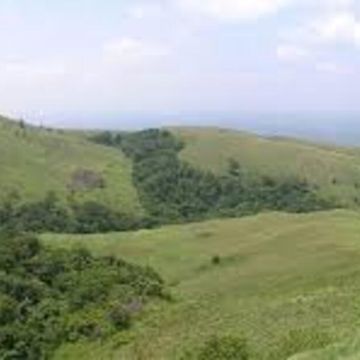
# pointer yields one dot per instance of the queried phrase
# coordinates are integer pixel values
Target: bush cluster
(172, 190)
(50, 215)
(48, 297)
(219, 348)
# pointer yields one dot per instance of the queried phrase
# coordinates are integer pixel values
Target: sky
(76, 62)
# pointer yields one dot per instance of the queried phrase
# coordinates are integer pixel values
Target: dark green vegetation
(333, 170)
(49, 215)
(216, 348)
(172, 190)
(49, 297)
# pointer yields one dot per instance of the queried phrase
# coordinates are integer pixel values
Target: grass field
(335, 170)
(34, 161)
(277, 273)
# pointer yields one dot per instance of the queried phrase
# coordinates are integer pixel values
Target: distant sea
(337, 128)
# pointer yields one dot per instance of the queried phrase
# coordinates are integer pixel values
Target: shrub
(172, 190)
(224, 348)
(43, 215)
(48, 297)
(86, 324)
(49, 215)
(120, 316)
(7, 309)
(215, 260)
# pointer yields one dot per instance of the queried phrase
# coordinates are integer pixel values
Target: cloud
(235, 10)
(128, 50)
(329, 28)
(322, 35)
(341, 27)
(291, 53)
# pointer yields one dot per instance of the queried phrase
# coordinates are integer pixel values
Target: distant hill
(34, 161)
(335, 170)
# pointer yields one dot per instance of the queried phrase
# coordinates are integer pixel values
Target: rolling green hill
(335, 170)
(34, 161)
(288, 283)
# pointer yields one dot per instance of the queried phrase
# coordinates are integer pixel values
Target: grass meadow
(289, 284)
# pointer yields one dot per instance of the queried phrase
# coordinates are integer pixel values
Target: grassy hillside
(335, 170)
(34, 161)
(288, 283)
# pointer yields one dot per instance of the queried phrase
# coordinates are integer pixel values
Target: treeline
(172, 190)
(51, 215)
(49, 297)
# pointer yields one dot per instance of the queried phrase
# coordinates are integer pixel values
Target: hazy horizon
(337, 128)
(80, 58)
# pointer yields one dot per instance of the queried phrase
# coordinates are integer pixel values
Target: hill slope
(34, 161)
(277, 273)
(335, 170)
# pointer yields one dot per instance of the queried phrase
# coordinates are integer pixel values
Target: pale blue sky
(76, 58)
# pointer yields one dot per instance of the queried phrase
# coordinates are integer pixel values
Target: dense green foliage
(41, 215)
(49, 215)
(172, 190)
(48, 297)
